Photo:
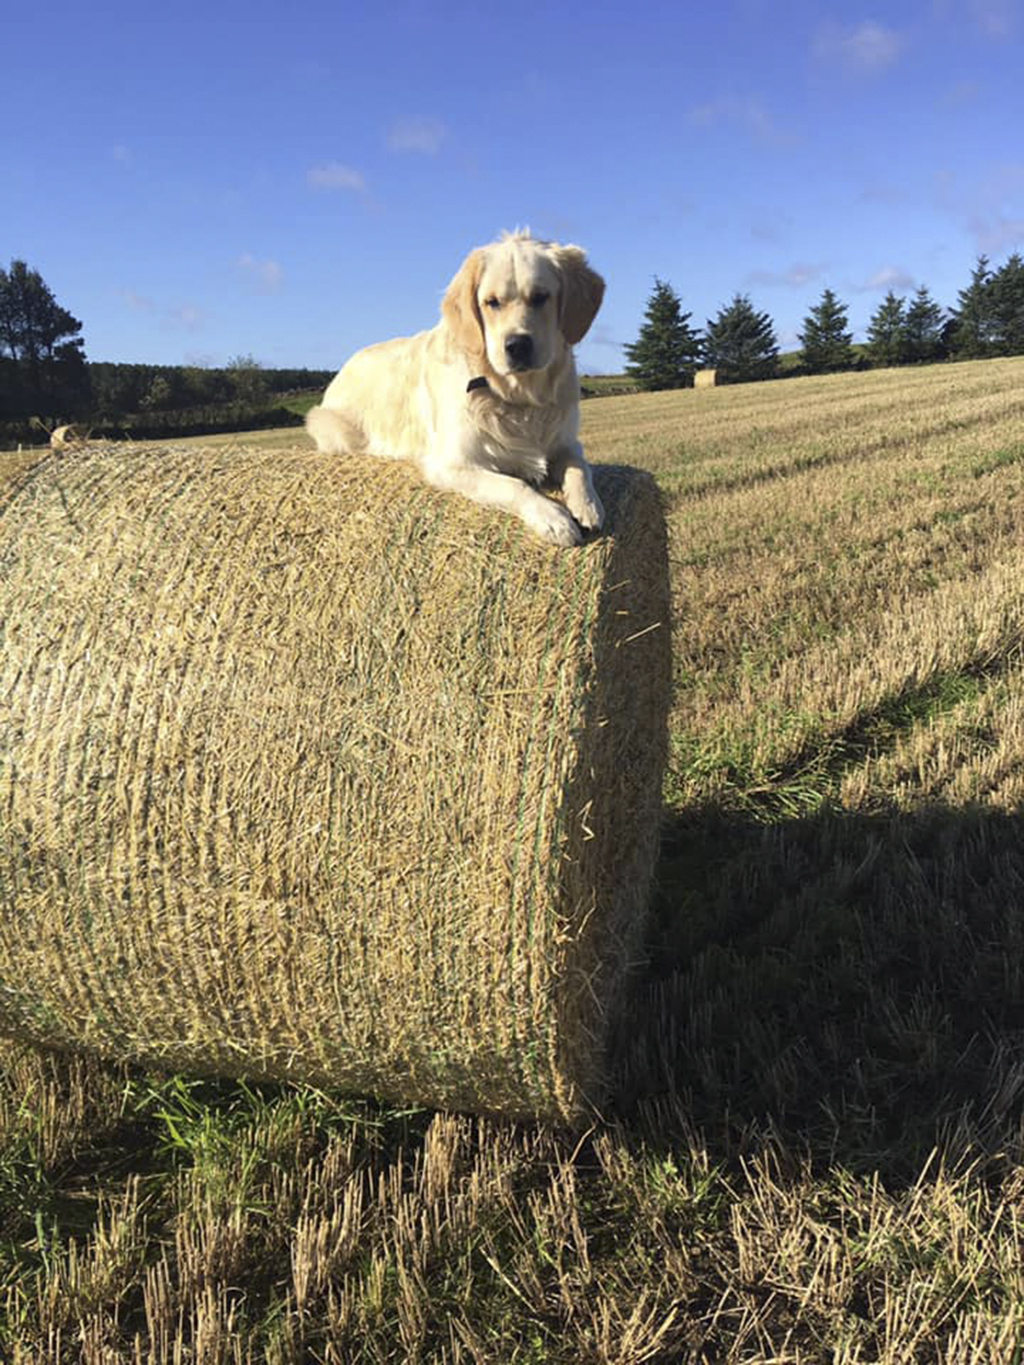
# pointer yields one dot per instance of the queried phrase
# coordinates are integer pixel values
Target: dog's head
(517, 304)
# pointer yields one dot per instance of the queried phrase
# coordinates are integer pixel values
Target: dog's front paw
(553, 523)
(586, 508)
(581, 498)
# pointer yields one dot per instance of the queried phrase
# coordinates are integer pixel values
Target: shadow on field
(852, 985)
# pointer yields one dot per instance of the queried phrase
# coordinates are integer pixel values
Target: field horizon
(815, 1153)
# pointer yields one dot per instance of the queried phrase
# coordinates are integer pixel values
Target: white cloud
(266, 275)
(990, 208)
(332, 175)
(770, 225)
(886, 278)
(796, 277)
(996, 18)
(138, 303)
(423, 135)
(961, 94)
(997, 233)
(993, 19)
(745, 112)
(865, 50)
(604, 337)
(188, 316)
(885, 194)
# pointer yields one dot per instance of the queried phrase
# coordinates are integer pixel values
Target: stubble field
(817, 1152)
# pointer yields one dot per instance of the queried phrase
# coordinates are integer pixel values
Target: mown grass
(300, 403)
(817, 1152)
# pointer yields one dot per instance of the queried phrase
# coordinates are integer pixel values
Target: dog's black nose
(519, 349)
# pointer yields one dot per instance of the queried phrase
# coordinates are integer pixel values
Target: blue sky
(196, 182)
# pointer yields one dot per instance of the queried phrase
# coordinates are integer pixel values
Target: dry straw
(309, 771)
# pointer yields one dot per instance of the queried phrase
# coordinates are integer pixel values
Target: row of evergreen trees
(740, 343)
(43, 369)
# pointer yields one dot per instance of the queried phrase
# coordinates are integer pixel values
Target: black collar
(478, 383)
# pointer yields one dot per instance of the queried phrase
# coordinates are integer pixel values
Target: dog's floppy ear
(460, 309)
(582, 292)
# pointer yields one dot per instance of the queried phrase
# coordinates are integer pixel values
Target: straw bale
(69, 435)
(705, 379)
(309, 771)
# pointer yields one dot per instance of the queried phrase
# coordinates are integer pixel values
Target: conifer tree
(42, 361)
(973, 334)
(740, 343)
(1007, 304)
(667, 351)
(886, 332)
(826, 340)
(923, 324)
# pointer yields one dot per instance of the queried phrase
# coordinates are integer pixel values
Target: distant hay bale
(61, 438)
(705, 379)
(308, 771)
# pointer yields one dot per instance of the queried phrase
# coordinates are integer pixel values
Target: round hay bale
(308, 771)
(61, 438)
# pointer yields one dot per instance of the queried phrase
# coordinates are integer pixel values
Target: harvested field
(818, 1149)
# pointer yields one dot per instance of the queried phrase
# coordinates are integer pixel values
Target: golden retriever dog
(486, 402)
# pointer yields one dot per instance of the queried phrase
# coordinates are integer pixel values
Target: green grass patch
(300, 403)
(997, 459)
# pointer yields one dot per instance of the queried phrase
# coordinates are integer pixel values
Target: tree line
(740, 343)
(44, 374)
(117, 389)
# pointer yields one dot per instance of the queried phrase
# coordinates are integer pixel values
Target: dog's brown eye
(492, 303)
(539, 299)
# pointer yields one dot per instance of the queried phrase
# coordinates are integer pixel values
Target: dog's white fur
(498, 442)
